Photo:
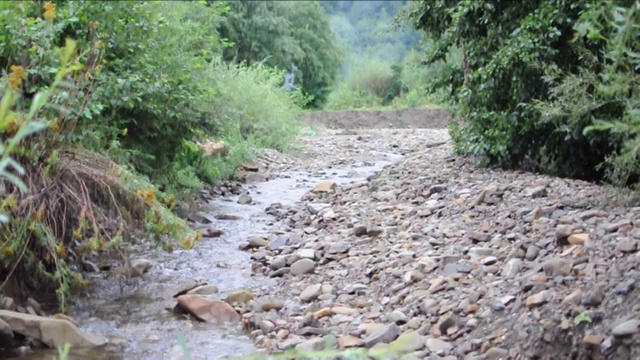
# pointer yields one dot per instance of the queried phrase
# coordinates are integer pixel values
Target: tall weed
(249, 109)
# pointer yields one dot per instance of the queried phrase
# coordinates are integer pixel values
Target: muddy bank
(379, 119)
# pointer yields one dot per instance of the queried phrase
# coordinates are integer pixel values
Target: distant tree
(290, 35)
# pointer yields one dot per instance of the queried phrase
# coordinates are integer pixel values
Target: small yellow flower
(38, 215)
(187, 243)
(61, 250)
(18, 74)
(77, 234)
(12, 126)
(149, 196)
(7, 252)
(198, 236)
(49, 10)
(54, 125)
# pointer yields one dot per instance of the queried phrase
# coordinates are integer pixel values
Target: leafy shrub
(372, 84)
(268, 120)
(604, 94)
(514, 53)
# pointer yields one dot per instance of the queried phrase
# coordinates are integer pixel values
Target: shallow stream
(131, 313)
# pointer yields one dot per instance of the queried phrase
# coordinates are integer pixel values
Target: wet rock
(325, 186)
(49, 331)
(208, 310)
(245, 199)
(203, 290)
(228, 217)
(212, 233)
(315, 208)
(184, 287)
(256, 242)
(142, 265)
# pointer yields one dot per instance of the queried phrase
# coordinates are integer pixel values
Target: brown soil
(379, 119)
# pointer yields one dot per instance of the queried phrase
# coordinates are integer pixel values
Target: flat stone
(311, 292)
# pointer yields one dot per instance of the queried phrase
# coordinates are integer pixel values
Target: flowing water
(131, 313)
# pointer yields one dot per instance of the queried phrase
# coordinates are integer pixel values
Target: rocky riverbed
(369, 237)
(467, 263)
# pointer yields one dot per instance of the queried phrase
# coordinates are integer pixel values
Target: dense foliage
(289, 35)
(533, 79)
(119, 111)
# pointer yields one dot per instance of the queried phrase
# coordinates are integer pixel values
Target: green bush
(602, 98)
(514, 53)
(249, 103)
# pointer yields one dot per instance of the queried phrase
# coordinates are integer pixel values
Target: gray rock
(627, 328)
(338, 248)
(311, 292)
(245, 199)
(303, 266)
(438, 346)
(385, 335)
